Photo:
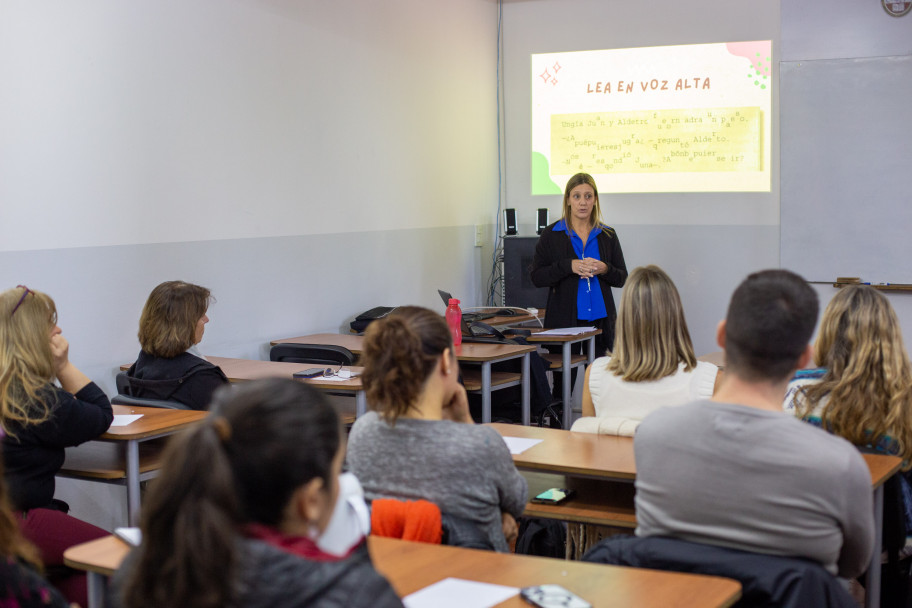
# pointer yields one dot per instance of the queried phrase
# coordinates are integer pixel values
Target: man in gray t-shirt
(737, 471)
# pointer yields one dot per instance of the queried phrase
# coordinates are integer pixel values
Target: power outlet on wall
(479, 234)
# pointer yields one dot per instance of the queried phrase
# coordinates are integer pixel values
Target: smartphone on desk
(552, 596)
(554, 496)
(312, 372)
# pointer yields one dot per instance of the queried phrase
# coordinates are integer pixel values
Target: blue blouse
(590, 305)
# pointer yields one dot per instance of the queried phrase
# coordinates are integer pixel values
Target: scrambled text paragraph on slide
(708, 139)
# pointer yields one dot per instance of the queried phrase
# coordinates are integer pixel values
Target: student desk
(243, 370)
(484, 354)
(607, 457)
(411, 566)
(567, 361)
(127, 464)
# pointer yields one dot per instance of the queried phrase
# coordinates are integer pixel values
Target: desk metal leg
(96, 585)
(486, 392)
(132, 472)
(526, 397)
(591, 349)
(872, 578)
(565, 380)
(360, 404)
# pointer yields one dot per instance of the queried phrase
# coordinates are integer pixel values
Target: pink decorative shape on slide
(757, 52)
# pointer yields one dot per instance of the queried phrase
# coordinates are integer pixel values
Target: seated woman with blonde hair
(653, 364)
(40, 420)
(420, 441)
(169, 366)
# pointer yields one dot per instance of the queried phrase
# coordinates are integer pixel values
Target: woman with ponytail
(42, 419)
(250, 510)
(420, 441)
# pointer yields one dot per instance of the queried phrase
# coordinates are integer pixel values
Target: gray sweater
(755, 480)
(464, 469)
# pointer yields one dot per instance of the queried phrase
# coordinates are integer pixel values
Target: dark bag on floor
(543, 537)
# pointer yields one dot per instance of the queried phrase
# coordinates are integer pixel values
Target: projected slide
(692, 118)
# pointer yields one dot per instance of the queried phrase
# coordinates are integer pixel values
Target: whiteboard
(846, 168)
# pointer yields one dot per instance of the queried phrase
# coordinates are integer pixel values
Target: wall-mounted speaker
(510, 221)
(542, 220)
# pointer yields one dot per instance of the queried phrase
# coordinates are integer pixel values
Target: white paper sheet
(518, 445)
(565, 331)
(459, 593)
(125, 419)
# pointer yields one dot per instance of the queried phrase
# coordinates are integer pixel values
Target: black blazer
(551, 268)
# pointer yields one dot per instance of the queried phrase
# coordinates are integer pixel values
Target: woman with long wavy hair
(40, 420)
(862, 388)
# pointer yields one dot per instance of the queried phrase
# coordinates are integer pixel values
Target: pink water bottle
(454, 320)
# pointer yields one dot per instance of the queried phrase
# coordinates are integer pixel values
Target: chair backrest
(122, 382)
(141, 402)
(319, 354)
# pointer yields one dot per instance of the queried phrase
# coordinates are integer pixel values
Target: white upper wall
(186, 120)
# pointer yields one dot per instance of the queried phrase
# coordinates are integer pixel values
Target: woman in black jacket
(579, 260)
(40, 420)
(170, 367)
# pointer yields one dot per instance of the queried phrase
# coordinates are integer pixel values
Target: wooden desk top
(412, 566)
(155, 422)
(610, 457)
(534, 337)
(464, 352)
(243, 370)
(569, 453)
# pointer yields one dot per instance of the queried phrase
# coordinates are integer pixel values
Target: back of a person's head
(261, 442)
(26, 364)
(399, 354)
(770, 321)
(651, 339)
(167, 326)
(859, 328)
(867, 385)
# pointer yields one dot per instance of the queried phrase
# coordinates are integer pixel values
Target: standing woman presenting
(579, 259)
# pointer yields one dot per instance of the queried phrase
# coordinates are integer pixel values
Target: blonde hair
(595, 218)
(167, 326)
(868, 379)
(651, 334)
(26, 363)
(400, 352)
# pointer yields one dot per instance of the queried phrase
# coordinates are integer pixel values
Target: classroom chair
(318, 354)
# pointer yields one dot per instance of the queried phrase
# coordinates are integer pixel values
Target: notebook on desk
(466, 316)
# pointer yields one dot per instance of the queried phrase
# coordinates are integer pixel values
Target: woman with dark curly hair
(420, 441)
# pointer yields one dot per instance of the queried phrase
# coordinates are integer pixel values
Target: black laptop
(472, 333)
(466, 316)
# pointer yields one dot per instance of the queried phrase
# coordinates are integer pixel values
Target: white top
(621, 405)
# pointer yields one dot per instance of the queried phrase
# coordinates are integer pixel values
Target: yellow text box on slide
(657, 141)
